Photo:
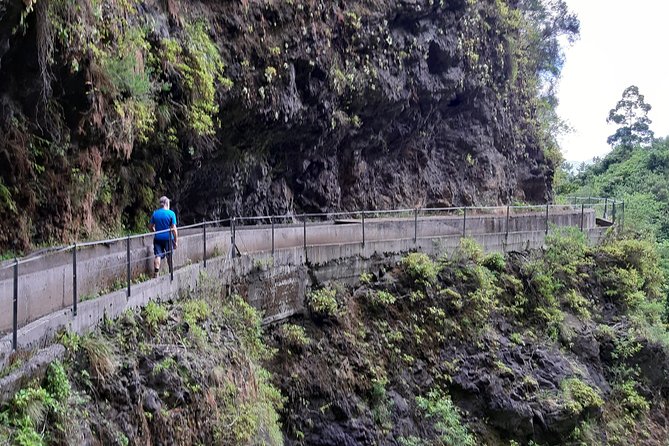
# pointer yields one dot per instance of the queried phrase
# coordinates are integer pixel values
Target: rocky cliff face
(260, 107)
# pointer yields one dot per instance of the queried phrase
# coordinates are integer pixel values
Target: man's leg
(158, 253)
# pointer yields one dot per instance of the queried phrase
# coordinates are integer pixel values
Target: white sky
(622, 43)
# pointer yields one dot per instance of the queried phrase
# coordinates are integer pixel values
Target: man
(164, 222)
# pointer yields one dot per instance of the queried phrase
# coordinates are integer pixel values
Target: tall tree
(631, 116)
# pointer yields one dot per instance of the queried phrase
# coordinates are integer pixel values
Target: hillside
(263, 107)
(561, 346)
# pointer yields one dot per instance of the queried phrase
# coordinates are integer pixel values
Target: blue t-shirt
(163, 219)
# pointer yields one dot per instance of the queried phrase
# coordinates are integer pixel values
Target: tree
(631, 115)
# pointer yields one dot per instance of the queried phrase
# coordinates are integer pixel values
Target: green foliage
(166, 364)
(101, 356)
(56, 382)
(516, 338)
(631, 116)
(636, 175)
(440, 408)
(420, 267)
(196, 310)
(639, 257)
(482, 299)
(32, 406)
(631, 400)
(366, 278)
(71, 341)
(155, 314)
(6, 200)
(495, 262)
(579, 396)
(381, 298)
(578, 303)
(241, 317)
(469, 250)
(200, 66)
(294, 336)
(323, 302)
(126, 70)
(566, 250)
(249, 419)
(542, 299)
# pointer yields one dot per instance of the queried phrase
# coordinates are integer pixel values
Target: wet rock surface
(333, 106)
(360, 378)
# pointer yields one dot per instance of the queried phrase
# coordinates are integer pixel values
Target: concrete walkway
(46, 286)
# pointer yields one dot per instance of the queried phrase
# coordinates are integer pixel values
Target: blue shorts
(161, 248)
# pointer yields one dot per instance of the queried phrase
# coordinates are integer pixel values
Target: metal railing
(460, 218)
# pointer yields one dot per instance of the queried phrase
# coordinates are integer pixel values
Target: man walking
(164, 223)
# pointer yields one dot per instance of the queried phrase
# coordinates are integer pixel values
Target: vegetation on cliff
(269, 107)
(561, 346)
(187, 372)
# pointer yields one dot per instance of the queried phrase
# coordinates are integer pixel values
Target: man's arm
(173, 228)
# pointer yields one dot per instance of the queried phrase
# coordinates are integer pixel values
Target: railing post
(271, 220)
(464, 223)
(415, 225)
(508, 212)
(304, 236)
(582, 215)
(546, 218)
(74, 279)
(606, 207)
(170, 258)
(232, 237)
(15, 320)
(613, 212)
(363, 229)
(204, 243)
(127, 256)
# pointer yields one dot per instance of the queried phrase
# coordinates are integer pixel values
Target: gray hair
(164, 201)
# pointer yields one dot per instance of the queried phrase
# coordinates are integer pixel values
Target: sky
(622, 43)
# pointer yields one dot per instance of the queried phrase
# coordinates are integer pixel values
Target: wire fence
(86, 270)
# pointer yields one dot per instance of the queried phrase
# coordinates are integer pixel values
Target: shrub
(294, 336)
(366, 278)
(469, 251)
(101, 357)
(483, 297)
(495, 262)
(56, 382)
(196, 310)
(578, 303)
(631, 400)
(420, 267)
(624, 285)
(516, 338)
(323, 302)
(155, 314)
(638, 255)
(566, 249)
(439, 407)
(579, 396)
(381, 298)
(245, 320)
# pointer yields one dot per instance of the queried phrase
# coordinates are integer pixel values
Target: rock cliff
(261, 107)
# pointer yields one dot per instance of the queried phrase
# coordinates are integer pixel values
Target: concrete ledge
(274, 285)
(35, 367)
